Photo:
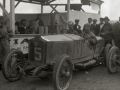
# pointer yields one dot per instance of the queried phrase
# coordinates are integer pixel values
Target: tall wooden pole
(4, 3)
(41, 9)
(68, 10)
(12, 15)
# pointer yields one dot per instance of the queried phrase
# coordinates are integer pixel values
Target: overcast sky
(110, 8)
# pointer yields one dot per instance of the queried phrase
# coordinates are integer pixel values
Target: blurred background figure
(116, 33)
(100, 25)
(22, 27)
(94, 27)
(77, 27)
(40, 20)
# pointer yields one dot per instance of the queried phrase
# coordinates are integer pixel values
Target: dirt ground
(96, 78)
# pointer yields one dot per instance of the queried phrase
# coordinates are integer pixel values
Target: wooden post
(100, 9)
(41, 9)
(4, 3)
(68, 10)
(12, 15)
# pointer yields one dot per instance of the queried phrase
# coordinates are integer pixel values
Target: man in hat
(106, 31)
(71, 30)
(89, 36)
(116, 33)
(77, 27)
(94, 27)
(100, 25)
(5, 34)
(89, 23)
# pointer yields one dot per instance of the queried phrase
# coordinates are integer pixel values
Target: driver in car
(89, 36)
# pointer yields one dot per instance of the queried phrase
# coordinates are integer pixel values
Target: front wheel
(11, 62)
(113, 59)
(62, 73)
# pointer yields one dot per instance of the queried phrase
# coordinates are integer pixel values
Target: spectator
(94, 27)
(100, 25)
(106, 31)
(71, 30)
(89, 23)
(77, 27)
(5, 34)
(116, 33)
(22, 27)
(40, 20)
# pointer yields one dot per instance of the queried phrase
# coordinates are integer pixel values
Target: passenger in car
(89, 36)
(71, 30)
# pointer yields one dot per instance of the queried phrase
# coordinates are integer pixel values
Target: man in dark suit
(89, 23)
(116, 33)
(106, 31)
(77, 27)
(94, 27)
(100, 25)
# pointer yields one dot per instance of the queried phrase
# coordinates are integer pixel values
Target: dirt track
(96, 78)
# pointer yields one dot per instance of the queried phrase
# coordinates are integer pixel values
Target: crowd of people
(91, 29)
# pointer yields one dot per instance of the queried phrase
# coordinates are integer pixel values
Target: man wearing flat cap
(100, 25)
(94, 27)
(77, 27)
(89, 23)
(106, 31)
(5, 34)
(71, 30)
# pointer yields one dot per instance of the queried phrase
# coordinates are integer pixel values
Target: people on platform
(22, 27)
(106, 31)
(40, 20)
(77, 27)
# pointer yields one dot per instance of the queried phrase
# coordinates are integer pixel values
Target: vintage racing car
(59, 55)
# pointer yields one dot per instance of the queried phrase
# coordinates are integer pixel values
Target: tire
(112, 58)
(10, 63)
(107, 48)
(65, 74)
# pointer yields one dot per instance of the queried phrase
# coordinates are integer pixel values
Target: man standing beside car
(5, 34)
(100, 25)
(77, 27)
(106, 31)
(116, 33)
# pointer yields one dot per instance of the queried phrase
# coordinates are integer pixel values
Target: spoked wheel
(12, 64)
(113, 59)
(107, 48)
(62, 73)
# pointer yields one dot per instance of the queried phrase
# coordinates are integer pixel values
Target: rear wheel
(62, 73)
(112, 59)
(11, 62)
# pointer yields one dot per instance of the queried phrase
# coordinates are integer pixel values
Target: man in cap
(100, 25)
(106, 31)
(77, 27)
(5, 34)
(89, 36)
(94, 27)
(71, 30)
(89, 23)
(116, 33)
